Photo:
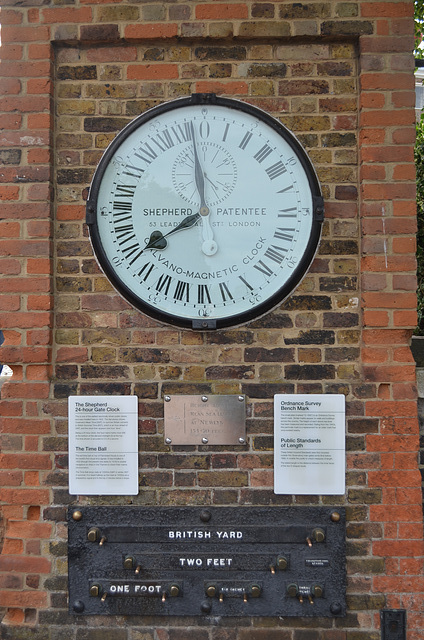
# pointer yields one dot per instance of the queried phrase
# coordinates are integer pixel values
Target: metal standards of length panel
(218, 561)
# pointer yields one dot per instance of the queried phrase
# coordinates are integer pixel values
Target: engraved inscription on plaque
(215, 420)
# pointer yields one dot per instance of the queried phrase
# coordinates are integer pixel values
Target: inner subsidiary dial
(219, 171)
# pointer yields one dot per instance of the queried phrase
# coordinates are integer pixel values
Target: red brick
(390, 373)
(404, 391)
(10, 121)
(38, 372)
(70, 212)
(25, 34)
(9, 16)
(386, 9)
(403, 354)
(10, 266)
(395, 513)
(391, 443)
(26, 390)
(10, 409)
(13, 547)
(11, 478)
(25, 496)
(24, 320)
(376, 356)
(66, 14)
(398, 584)
(400, 548)
(387, 118)
(12, 52)
(152, 72)
(20, 285)
(38, 266)
(23, 529)
(371, 44)
(404, 245)
(24, 598)
(26, 69)
(388, 409)
(405, 318)
(21, 461)
(72, 354)
(40, 52)
(221, 11)
(389, 263)
(41, 303)
(144, 31)
(389, 153)
(39, 156)
(9, 193)
(10, 86)
(233, 87)
(112, 54)
(389, 300)
(393, 478)
(373, 100)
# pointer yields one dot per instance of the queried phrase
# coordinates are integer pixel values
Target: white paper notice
(309, 444)
(103, 445)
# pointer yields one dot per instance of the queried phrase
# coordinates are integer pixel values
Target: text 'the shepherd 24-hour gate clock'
(205, 212)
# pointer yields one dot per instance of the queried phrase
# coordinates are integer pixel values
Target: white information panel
(103, 445)
(309, 444)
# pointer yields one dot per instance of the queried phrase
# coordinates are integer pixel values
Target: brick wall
(338, 74)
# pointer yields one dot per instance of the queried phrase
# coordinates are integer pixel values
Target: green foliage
(419, 163)
(419, 27)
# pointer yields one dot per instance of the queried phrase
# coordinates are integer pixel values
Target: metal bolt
(167, 398)
(242, 441)
(174, 591)
(211, 591)
(335, 516)
(241, 398)
(282, 563)
(255, 591)
(318, 534)
(205, 441)
(168, 440)
(204, 398)
(205, 515)
(77, 515)
(335, 608)
(205, 607)
(95, 591)
(78, 606)
(93, 534)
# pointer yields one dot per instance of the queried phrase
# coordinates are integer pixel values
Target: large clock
(205, 212)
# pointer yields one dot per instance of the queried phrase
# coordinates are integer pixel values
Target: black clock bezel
(231, 320)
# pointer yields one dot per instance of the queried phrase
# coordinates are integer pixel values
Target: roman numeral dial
(197, 171)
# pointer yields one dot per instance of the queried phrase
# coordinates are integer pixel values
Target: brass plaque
(205, 419)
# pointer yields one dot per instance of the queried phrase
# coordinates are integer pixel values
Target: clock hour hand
(158, 241)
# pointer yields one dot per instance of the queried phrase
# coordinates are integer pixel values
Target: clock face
(205, 212)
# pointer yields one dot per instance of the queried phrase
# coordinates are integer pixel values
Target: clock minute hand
(209, 246)
(158, 241)
(199, 178)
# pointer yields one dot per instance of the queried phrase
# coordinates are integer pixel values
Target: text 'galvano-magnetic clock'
(205, 212)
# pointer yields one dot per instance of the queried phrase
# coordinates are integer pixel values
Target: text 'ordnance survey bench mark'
(309, 444)
(103, 445)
